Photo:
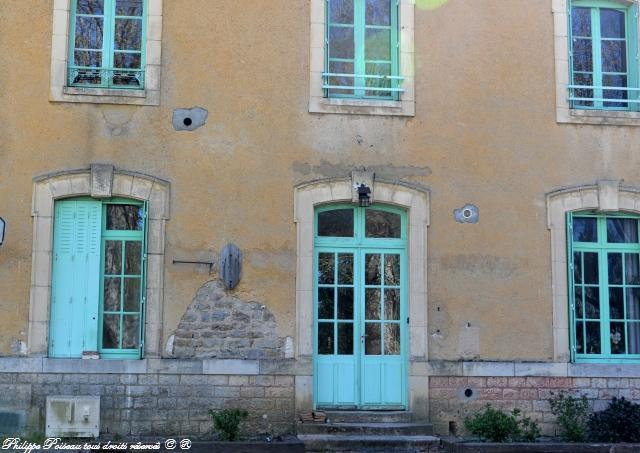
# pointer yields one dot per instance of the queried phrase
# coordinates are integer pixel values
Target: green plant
(620, 422)
(571, 416)
(494, 425)
(227, 422)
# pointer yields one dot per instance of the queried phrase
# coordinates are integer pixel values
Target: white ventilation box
(73, 416)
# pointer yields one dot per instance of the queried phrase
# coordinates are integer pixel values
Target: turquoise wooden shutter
(75, 281)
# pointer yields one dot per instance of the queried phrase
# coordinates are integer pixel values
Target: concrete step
(388, 429)
(368, 416)
(369, 443)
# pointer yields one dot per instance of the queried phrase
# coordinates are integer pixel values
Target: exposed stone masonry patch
(158, 404)
(220, 325)
(529, 394)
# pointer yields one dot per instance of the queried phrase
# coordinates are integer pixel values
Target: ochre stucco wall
(484, 132)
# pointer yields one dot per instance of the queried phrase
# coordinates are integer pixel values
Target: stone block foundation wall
(160, 402)
(453, 398)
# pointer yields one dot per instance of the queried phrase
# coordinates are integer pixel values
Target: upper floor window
(106, 44)
(603, 55)
(362, 50)
(604, 286)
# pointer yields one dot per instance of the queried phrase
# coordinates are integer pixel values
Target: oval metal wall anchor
(230, 266)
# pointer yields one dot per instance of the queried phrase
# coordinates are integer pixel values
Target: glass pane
(585, 229)
(128, 34)
(372, 338)
(341, 43)
(89, 32)
(377, 45)
(622, 230)
(132, 294)
(618, 344)
(129, 7)
(578, 302)
(326, 268)
(133, 258)
(593, 338)
(341, 11)
(113, 257)
(345, 303)
(392, 304)
(612, 23)
(325, 338)
(112, 294)
(382, 224)
(391, 339)
(336, 223)
(616, 303)
(590, 268)
(614, 81)
(614, 261)
(592, 302)
(581, 21)
(577, 267)
(125, 217)
(633, 303)
(582, 56)
(126, 61)
(345, 269)
(372, 269)
(614, 56)
(392, 270)
(379, 69)
(585, 93)
(90, 7)
(341, 67)
(633, 336)
(372, 304)
(325, 303)
(579, 337)
(111, 332)
(130, 331)
(89, 59)
(345, 338)
(632, 270)
(378, 12)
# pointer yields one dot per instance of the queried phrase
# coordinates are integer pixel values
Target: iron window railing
(79, 76)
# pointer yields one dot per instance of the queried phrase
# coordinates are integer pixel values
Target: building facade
(420, 205)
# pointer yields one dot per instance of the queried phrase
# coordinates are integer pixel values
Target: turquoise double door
(360, 308)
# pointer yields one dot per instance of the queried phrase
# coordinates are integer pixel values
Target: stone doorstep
(369, 443)
(389, 429)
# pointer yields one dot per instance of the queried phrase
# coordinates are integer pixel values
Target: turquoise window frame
(602, 247)
(359, 76)
(107, 71)
(359, 245)
(631, 39)
(124, 236)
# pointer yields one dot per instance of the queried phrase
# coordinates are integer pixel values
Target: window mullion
(359, 37)
(571, 289)
(395, 46)
(596, 49)
(109, 30)
(603, 271)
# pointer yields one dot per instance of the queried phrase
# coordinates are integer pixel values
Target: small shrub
(227, 422)
(530, 430)
(494, 425)
(571, 416)
(620, 422)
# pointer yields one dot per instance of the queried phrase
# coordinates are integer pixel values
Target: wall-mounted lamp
(2, 228)
(363, 196)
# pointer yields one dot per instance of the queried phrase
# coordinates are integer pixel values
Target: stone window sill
(603, 117)
(104, 92)
(105, 96)
(361, 106)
